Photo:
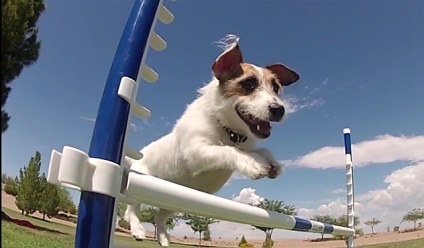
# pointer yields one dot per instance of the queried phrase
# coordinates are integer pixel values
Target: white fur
(198, 153)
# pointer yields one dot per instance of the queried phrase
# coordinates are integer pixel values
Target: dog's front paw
(258, 168)
(275, 168)
(274, 171)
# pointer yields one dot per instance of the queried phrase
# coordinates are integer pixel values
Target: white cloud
(404, 186)
(135, 127)
(293, 104)
(335, 209)
(382, 149)
(338, 191)
(87, 118)
(404, 191)
(248, 196)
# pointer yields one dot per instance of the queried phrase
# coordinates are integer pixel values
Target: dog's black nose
(277, 112)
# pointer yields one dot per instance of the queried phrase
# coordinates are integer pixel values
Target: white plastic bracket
(165, 16)
(128, 90)
(74, 169)
(148, 74)
(157, 43)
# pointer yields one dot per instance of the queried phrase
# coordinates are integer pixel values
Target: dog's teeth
(258, 127)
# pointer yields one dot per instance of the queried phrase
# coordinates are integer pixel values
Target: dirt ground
(8, 201)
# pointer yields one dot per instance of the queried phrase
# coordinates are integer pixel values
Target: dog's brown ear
(285, 75)
(228, 62)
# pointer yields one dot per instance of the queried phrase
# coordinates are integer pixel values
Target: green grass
(13, 236)
(54, 235)
(415, 243)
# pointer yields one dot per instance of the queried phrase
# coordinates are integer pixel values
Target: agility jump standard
(103, 182)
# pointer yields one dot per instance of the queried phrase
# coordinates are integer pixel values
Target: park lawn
(13, 236)
(415, 243)
(55, 235)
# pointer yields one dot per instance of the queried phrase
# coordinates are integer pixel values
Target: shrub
(10, 189)
(246, 245)
(396, 229)
(268, 243)
(73, 210)
(242, 241)
(359, 232)
(124, 224)
(207, 235)
(11, 186)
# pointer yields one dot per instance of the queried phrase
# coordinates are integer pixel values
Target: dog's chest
(209, 181)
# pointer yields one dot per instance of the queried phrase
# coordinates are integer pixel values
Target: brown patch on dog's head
(247, 80)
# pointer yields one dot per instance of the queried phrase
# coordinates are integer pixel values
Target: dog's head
(251, 94)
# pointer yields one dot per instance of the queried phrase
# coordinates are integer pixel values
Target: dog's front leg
(137, 230)
(276, 167)
(208, 157)
(161, 231)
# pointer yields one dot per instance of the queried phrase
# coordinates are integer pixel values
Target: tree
(342, 221)
(324, 219)
(11, 186)
(199, 224)
(273, 206)
(372, 223)
(29, 186)
(66, 204)
(49, 200)
(148, 215)
(414, 215)
(19, 45)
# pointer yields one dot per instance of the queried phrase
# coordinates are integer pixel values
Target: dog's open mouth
(259, 127)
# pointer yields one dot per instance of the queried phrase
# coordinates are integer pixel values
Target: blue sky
(359, 64)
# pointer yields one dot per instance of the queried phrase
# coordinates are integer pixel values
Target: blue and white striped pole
(96, 211)
(349, 185)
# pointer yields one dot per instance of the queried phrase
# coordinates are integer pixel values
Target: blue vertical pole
(349, 187)
(347, 143)
(95, 211)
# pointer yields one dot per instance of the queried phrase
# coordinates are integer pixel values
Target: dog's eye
(249, 84)
(275, 87)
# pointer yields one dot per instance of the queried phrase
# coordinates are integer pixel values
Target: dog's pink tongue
(265, 127)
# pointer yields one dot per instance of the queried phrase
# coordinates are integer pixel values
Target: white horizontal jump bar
(160, 193)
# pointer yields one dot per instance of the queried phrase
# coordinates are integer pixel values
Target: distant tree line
(415, 215)
(33, 192)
